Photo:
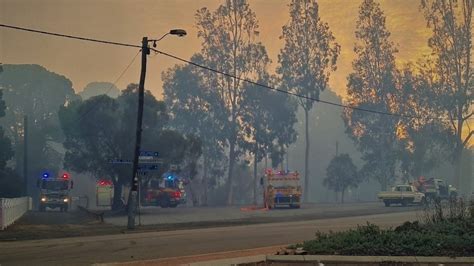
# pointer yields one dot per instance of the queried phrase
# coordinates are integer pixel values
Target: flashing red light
(104, 183)
(177, 194)
(65, 176)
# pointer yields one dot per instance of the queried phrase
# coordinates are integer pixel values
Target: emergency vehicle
(282, 189)
(167, 191)
(54, 191)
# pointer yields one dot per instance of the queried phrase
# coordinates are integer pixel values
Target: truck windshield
(282, 183)
(54, 185)
(403, 189)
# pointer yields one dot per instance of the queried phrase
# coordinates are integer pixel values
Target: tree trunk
(383, 184)
(205, 181)
(458, 168)
(306, 157)
(385, 164)
(194, 199)
(117, 202)
(459, 150)
(230, 189)
(255, 174)
(282, 149)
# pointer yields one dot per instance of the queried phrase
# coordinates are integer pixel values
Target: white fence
(12, 209)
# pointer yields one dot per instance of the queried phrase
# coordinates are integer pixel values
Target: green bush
(452, 236)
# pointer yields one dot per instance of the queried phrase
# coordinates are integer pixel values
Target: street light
(132, 197)
(177, 32)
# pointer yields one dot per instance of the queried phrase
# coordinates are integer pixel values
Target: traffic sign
(148, 167)
(120, 161)
(149, 153)
(141, 160)
(149, 160)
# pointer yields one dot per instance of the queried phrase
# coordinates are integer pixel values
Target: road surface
(157, 216)
(154, 245)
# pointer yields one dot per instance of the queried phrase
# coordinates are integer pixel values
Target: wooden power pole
(25, 153)
(132, 197)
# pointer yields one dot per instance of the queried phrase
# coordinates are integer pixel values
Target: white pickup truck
(402, 194)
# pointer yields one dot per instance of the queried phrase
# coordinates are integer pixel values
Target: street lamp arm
(161, 38)
(178, 32)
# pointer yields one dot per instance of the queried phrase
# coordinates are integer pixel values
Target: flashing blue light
(170, 177)
(45, 175)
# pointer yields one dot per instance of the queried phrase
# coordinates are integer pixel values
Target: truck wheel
(164, 202)
(453, 196)
(387, 203)
(423, 201)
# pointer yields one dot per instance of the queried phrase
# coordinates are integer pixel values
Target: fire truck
(282, 189)
(167, 191)
(434, 188)
(54, 191)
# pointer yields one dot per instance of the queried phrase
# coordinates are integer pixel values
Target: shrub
(444, 233)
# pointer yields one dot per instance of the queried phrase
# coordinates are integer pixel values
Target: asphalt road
(181, 215)
(153, 245)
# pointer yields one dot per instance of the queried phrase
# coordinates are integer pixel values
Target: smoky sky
(129, 20)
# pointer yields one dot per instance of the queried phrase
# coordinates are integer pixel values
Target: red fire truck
(167, 191)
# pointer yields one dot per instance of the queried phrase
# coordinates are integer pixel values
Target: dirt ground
(54, 224)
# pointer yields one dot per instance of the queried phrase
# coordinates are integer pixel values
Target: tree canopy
(453, 79)
(228, 39)
(97, 88)
(35, 92)
(98, 130)
(372, 86)
(306, 61)
(341, 174)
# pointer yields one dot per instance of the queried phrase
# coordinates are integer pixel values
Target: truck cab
(402, 194)
(435, 188)
(282, 189)
(165, 192)
(54, 192)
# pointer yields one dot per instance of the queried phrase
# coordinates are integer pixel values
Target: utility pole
(25, 153)
(132, 197)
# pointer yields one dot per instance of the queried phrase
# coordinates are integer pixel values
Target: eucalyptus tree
(373, 86)
(229, 44)
(451, 44)
(268, 122)
(307, 60)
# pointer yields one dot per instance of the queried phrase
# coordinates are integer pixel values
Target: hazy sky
(129, 20)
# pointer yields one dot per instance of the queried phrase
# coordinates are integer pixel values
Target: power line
(69, 36)
(291, 93)
(212, 70)
(280, 90)
(83, 39)
(110, 88)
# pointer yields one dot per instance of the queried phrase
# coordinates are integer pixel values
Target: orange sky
(130, 20)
